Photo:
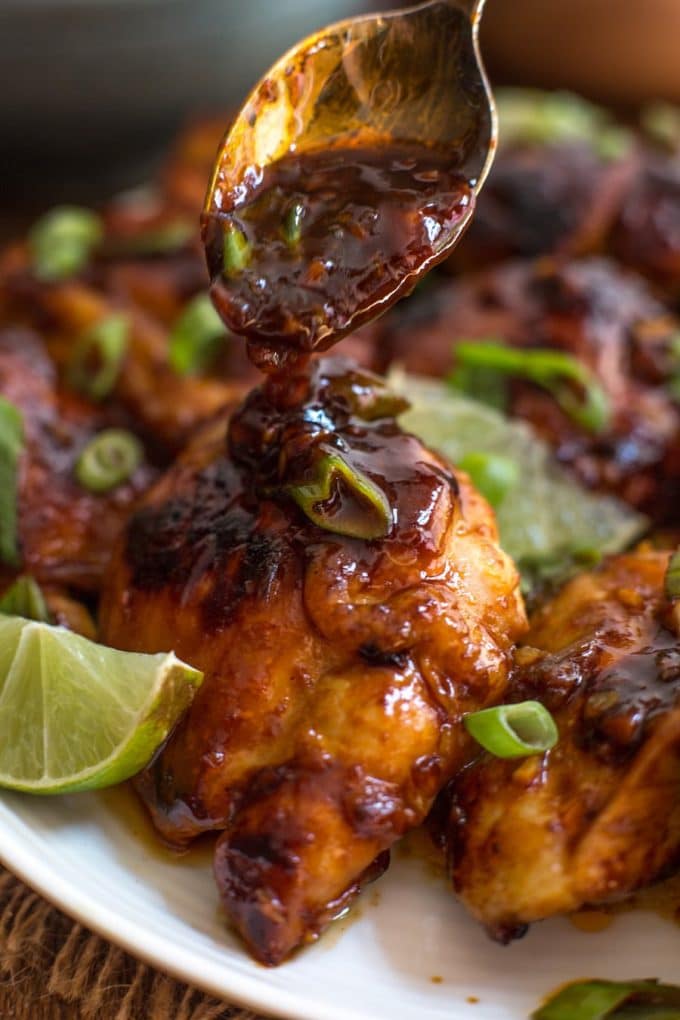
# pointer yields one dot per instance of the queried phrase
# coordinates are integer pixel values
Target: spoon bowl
(350, 171)
(412, 75)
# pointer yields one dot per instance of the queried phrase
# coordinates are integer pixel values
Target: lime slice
(548, 522)
(75, 715)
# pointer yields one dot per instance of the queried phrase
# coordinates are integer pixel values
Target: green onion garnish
(546, 570)
(196, 337)
(559, 373)
(108, 460)
(292, 224)
(485, 385)
(532, 117)
(162, 240)
(612, 142)
(344, 500)
(672, 579)
(598, 1000)
(97, 357)
(11, 445)
(237, 250)
(661, 122)
(369, 398)
(61, 241)
(492, 473)
(513, 731)
(26, 599)
(673, 381)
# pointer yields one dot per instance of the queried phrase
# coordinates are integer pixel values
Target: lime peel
(75, 715)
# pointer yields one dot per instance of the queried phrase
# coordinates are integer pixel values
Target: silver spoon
(413, 75)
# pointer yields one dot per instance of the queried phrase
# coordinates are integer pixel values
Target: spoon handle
(473, 8)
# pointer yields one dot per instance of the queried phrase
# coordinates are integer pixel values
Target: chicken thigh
(598, 816)
(337, 666)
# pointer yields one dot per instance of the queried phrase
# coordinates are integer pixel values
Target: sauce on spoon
(320, 242)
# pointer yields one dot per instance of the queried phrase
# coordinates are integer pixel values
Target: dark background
(94, 90)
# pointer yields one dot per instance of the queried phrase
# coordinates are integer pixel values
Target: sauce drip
(235, 518)
(325, 240)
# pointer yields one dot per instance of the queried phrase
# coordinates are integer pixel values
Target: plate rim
(248, 991)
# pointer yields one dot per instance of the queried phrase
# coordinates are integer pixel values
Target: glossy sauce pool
(321, 242)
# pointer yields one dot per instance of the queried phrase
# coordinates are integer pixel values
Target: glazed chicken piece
(337, 667)
(598, 816)
(165, 406)
(560, 198)
(66, 532)
(151, 257)
(608, 320)
(647, 232)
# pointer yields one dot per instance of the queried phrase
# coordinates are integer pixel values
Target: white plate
(89, 860)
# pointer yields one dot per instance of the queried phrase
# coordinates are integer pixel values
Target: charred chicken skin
(599, 815)
(606, 319)
(337, 668)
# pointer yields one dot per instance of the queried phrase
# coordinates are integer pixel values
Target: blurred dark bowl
(94, 88)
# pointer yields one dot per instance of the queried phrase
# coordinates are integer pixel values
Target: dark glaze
(619, 696)
(374, 220)
(598, 816)
(625, 699)
(237, 518)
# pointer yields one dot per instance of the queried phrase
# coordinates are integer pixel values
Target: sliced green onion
(26, 599)
(492, 473)
(672, 579)
(555, 371)
(196, 337)
(61, 242)
(368, 397)
(344, 500)
(162, 240)
(673, 381)
(108, 460)
(587, 1000)
(486, 386)
(292, 224)
(543, 570)
(532, 117)
(97, 357)
(661, 122)
(382, 404)
(11, 445)
(237, 250)
(673, 387)
(598, 1000)
(513, 731)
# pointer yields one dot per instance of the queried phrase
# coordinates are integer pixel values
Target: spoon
(413, 75)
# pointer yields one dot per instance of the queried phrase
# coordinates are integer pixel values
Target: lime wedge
(548, 522)
(75, 715)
